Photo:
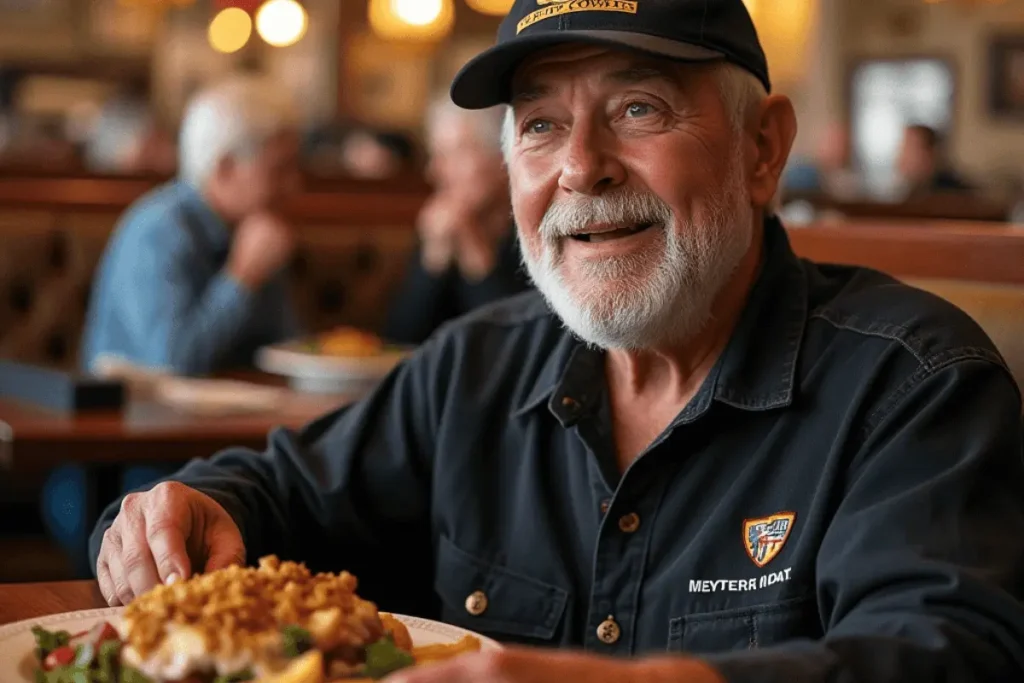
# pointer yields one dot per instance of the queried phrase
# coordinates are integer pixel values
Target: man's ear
(774, 135)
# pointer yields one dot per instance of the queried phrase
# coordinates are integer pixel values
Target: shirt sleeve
(174, 320)
(920, 571)
(351, 490)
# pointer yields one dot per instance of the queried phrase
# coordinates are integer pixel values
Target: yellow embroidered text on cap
(554, 8)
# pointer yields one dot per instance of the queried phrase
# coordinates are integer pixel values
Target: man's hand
(453, 230)
(262, 245)
(438, 225)
(542, 666)
(161, 536)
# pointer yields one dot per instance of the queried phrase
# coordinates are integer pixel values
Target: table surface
(19, 601)
(149, 420)
(33, 438)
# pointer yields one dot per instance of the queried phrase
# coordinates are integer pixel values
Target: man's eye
(537, 127)
(638, 109)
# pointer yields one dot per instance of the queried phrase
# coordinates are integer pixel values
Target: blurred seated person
(192, 281)
(468, 255)
(376, 155)
(830, 171)
(922, 165)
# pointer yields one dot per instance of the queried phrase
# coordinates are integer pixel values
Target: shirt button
(605, 504)
(629, 523)
(476, 603)
(569, 402)
(608, 632)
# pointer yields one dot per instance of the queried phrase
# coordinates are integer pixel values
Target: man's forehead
(551, 68)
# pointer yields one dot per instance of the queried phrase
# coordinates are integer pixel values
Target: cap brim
(485, 81)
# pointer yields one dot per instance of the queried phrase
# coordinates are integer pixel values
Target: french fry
(309, 668)
(434, 653)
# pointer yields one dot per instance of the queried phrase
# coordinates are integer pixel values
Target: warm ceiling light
(416, 20)
(230, 30)
(417, 12)
(494, 8)
(281, 22)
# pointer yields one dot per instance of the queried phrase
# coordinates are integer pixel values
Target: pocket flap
(516, 604)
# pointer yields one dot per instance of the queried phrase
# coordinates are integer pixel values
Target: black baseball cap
(684, 30)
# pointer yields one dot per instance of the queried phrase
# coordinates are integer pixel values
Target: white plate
(16, 642)
(322, 373)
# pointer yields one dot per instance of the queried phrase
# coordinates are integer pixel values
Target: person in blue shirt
(192, 281)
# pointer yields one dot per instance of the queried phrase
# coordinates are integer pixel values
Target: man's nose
(590, 165)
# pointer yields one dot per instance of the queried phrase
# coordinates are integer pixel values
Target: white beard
(646, 298)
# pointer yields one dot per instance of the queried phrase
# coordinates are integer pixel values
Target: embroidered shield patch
(764, 537)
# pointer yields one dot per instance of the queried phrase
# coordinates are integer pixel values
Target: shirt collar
(756, 371)
(211, 227)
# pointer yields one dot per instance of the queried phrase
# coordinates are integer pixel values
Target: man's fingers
(106, 584)
(167, 544)
(138, 563)
(122, 591)
(224, 546)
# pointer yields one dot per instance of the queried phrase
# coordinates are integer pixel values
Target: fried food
(435, 653)
(349, 341)
(397, 630)
(244, 618)
(277, 623)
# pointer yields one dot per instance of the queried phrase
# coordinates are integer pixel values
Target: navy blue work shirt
(163, 300)
(841, 501)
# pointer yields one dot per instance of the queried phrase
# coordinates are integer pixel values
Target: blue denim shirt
(162, 299)
(843, 500)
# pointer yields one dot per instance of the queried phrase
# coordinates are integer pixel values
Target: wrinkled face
(266, 180)
(628, 188)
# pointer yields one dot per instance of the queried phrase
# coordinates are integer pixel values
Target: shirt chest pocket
(744, 628)
(495, 601)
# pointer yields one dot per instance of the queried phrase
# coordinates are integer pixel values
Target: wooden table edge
(24, 601)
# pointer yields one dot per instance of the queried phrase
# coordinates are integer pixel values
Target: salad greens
(297, 641)
(48, 641)
(85, 662)
(384, 658)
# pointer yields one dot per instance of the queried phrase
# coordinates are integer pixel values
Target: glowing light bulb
(230, 30)
(417, 12)
(281, 22)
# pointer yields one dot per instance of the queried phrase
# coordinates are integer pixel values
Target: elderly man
(704, 457)
(467, 256)
(192, 281)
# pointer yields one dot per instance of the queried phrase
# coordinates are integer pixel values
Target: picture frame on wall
(1006, 77)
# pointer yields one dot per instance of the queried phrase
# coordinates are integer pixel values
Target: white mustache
(629, 207)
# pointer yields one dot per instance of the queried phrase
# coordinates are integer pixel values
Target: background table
(145, 431)
(32, 600)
